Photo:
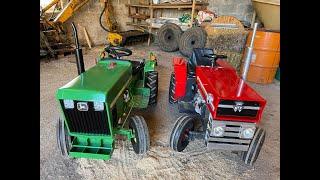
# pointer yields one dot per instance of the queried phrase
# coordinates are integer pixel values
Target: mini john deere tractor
(223, 110)
(96, 105)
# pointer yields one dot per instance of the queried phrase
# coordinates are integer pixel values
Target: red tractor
(223, 110)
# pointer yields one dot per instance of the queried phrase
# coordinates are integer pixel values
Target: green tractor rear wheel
(63, 138)
(141, 140)
(152, 84)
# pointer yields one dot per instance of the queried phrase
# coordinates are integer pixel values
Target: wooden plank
(192, 12)
(169, 6)
(87, 37)
(139, 16)
(45, 40)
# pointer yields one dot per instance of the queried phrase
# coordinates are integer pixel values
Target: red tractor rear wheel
(172, 89)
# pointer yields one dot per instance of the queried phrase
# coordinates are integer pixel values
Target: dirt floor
(160, 163)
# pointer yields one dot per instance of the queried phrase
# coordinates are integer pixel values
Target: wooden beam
(87, 37)
(192, 12)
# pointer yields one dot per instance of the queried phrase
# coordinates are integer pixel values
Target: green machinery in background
(96, 105)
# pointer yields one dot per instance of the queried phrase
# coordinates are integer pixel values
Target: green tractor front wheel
(63, 138)
(152, 84)
(141, 140)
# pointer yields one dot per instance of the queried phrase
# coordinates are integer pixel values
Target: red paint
(222, 82)
(180, 72)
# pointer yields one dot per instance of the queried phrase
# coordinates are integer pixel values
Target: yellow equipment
(67, 11)
(114, 39)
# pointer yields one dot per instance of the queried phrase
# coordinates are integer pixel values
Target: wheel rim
(183, 140)
(169, 36)
(134, 141)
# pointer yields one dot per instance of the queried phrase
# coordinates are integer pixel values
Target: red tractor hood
(223, 83)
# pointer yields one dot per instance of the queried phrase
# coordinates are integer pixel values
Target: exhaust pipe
(247, 60)
(78, 51)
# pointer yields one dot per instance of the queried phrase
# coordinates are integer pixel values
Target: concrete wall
(241, 9)
(88, 16)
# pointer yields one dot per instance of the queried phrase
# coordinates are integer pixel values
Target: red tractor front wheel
(249, 157)
(179, 138)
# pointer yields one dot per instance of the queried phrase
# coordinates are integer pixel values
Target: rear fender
(180, 73)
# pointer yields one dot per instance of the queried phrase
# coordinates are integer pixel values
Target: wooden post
(150, 28)
(87, 37)
(192, 12)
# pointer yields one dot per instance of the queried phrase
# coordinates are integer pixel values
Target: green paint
(125, 132)
(93, 147)
(149, 66)
(97, 83)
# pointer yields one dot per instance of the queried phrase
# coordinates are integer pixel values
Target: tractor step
(93, 147)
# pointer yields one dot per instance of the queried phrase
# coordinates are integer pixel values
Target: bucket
(265, 57)
(269, 13)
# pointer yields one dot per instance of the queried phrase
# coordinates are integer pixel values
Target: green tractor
(96, 105)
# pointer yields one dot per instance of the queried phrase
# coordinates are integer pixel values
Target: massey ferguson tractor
(96, 105)
(223, 110)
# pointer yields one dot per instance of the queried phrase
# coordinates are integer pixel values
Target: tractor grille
(231, 138)
(249, 109)
(91, 121)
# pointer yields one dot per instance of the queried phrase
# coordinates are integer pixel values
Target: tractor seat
(136, 66)
(199, 58)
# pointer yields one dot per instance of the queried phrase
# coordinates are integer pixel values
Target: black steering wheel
(117, 51)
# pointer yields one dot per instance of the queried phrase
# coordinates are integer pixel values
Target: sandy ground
(160, 162)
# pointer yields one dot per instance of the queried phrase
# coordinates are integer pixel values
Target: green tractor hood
(98, 83)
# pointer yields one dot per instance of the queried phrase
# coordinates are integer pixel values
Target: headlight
(218, 131)
(68, 104)
(98, 106)
(247, 133)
